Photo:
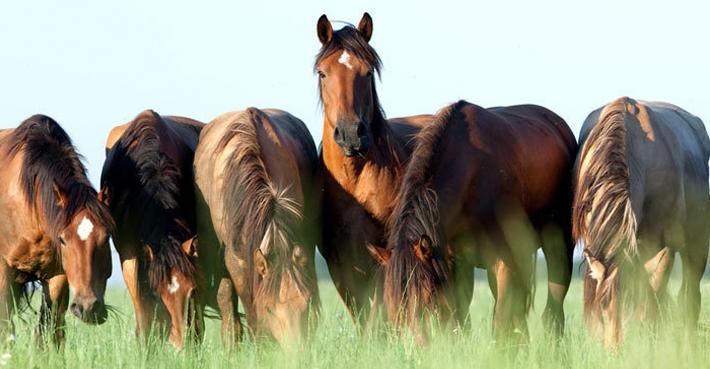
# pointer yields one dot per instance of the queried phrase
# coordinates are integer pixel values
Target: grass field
(336, 344)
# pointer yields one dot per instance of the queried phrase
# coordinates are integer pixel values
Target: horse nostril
(361, 129)
(77, 309)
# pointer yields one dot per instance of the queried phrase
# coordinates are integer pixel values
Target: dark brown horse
(484, 188)
(258, 203)
(147, 183)
(53, 230)
(363, 155)
(641, 195)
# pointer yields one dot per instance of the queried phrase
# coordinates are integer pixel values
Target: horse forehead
(344, 59)
(85, 228)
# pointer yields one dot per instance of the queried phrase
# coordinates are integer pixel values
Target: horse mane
(349, 39)
(416, 211)
(602, 215)
(260, 215)
(52, 166)
(155, 193)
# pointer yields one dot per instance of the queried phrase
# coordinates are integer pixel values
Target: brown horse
(147, 183)
(258, 204)
(53, 230)
(484, 188)
(641, 195)
(363, 155)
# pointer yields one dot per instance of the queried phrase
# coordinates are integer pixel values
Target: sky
(92, 65)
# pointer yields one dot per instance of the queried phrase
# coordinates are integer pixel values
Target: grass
(336, 344)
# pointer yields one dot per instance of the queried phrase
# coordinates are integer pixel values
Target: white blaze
(85, 228)
(345, 59)
(173, 285)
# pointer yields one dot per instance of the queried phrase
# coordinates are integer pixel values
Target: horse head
(346, 66)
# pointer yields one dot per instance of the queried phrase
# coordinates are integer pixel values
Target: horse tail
(602, 214)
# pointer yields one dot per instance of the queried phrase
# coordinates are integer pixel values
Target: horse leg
(55, 292)
(228, 303)
(9, 297)
(509, 320)
(557, 248)
(463, 282)
(694, 258)
(143, 307)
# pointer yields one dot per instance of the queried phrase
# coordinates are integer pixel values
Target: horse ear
(596, 268)
(190, 246)
(365, 27)
(104, 195)
(423, 248)
(260, 263)
(148, 253)
(59, 197)
(325, 29)
(381, 254)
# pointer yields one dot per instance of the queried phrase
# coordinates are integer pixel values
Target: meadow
(336, 343)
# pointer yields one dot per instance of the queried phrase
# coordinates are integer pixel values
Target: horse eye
(62, 241)
(370, 73)
(321, 75)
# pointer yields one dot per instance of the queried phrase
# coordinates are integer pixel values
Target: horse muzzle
(352, 138)
(89, 310)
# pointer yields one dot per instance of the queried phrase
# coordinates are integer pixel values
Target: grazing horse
(363, 155)
(483, 188)
(258, 205)
(53, 230)
(147, 183)
(641, 195)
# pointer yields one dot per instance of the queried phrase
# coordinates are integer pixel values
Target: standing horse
(484, 188)
(258, 203)
(641, 195)
(53, 230)
(363, 155)
(147, 183)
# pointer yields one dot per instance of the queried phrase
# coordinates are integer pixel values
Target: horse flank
(602, 215)
(52, 166)
(260, 214)
(157, 191)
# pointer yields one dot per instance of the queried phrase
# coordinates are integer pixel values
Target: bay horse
(641, 195)
(362, 156)
(258, 204)
(483, 188)
(54, 229)
(147, 183)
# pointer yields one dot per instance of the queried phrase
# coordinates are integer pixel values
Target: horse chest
(34, 258)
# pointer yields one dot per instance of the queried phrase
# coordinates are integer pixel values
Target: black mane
(152, 193)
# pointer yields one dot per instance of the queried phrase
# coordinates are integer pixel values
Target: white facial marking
(85, 228)
(345, 60)
(173, 285)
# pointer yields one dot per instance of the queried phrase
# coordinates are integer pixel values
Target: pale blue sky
(95, 64)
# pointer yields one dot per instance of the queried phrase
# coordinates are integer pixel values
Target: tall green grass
(337, 345)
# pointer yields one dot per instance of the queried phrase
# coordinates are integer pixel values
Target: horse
(483, 188)
(147, 183)
(54, 229)
(363, 157)
(641, 195)
(256, 173)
